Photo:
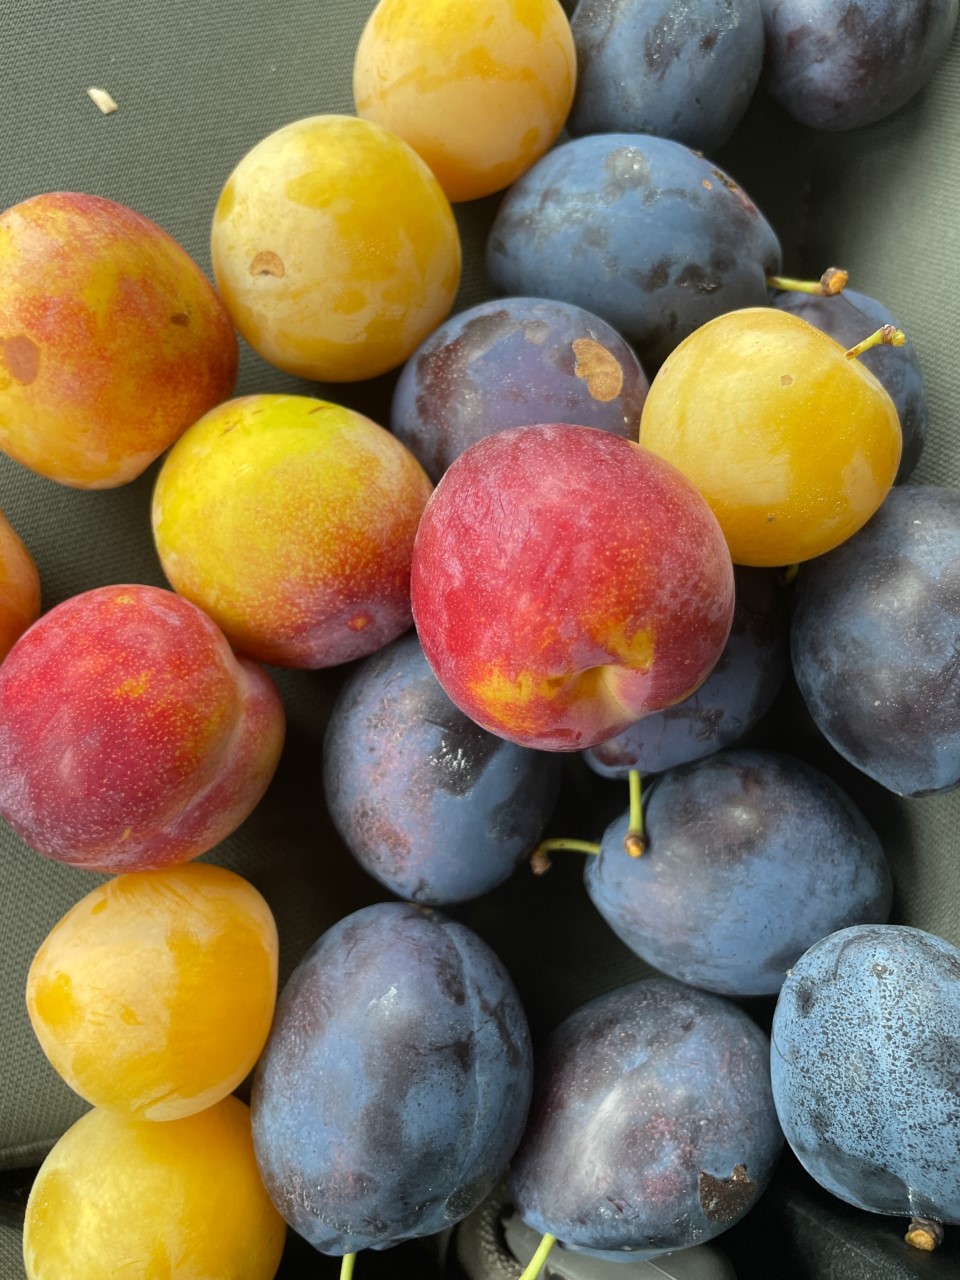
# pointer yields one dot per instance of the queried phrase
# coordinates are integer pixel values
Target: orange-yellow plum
(127, 1198)
(130, 736)
(335, 249)
(479, 90)
(793, 445)
(154, 994)
(291, 522)
(112, 340)
(19, 587)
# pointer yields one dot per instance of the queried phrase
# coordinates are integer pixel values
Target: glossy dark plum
(395, 1083)
(738, 692)
(841, 64)
(640, 230)
(682, 71)
(875, 641)
(652, 1126)
(849, 317)
(865, 1062)
(752, 857)
(436, 808)
(510, 364)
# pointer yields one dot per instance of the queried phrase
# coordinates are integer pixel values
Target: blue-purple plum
(431, 805)
(739, 690)
(395, 1083)
(652, 1126)
(874, 642)
(842, 64)
(752, 856)
(682, 71)
(509, 364)
(865, 1064)
(639, 230)
(849, 317)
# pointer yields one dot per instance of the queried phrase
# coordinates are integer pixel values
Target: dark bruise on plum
(865, 1063)
(683, 71)
(395, 1083)
(842, 64)
(849, 317)
(752, 856)
(652, 1126)
(513, 363)
(431, 805)
(739, 690)
(637, 229)
(875, 642)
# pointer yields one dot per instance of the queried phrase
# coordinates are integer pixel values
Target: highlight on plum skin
(154, 994)
(131, 737)
(185, 1195)
(479, 90)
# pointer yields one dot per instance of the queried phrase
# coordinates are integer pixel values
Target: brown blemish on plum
(180, 318)
(267, 263)
(786, 380)
(599, 369)
(22, 358)
(707, 183)
(360, 622)
(724, 1199)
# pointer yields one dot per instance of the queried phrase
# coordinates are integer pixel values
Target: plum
(19, 587)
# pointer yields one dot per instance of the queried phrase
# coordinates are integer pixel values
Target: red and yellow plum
(130, 736)
(436, 808)
(652, 1126)
(291, 522)
(395, 1083)
(19, 587)
(639, 230)
(112, 340)
(752, 857)
(507, 364)
(554, 622)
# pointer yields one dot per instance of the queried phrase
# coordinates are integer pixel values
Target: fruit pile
(617, 505)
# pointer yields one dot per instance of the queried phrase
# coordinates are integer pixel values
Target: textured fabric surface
(199, 83)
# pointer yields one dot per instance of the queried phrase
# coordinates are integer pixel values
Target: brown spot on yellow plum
(267, 263)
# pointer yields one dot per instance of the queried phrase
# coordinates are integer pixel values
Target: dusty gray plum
(436, 808)
(639, 230)
(740, 689)
(849, 317)
(652, 1126)
(395, 1082)
(752, 857)
(684, 71)
(513, 363)
(874, 642)
(842, 64)
(865, 1063)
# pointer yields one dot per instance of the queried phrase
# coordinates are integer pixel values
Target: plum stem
(540, 862)
(832, 282)
(532, 1269)
(346, 1266)
(788, 574)
(887, 335)
(635, 841)
(925, 1234)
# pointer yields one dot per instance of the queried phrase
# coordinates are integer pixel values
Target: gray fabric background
(200, 81)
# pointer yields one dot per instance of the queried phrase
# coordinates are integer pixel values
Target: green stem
(346, 1266)
(532, 1269)
(540, 858)
(832, 282)
(635, 841)
(888, 336)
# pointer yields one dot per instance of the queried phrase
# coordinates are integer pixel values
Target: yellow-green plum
(130, 736)
(120, 1197)
(154, 994)
(291, 522)
(112, 340)
(335, 249)
(567, 583)
(19, 587)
